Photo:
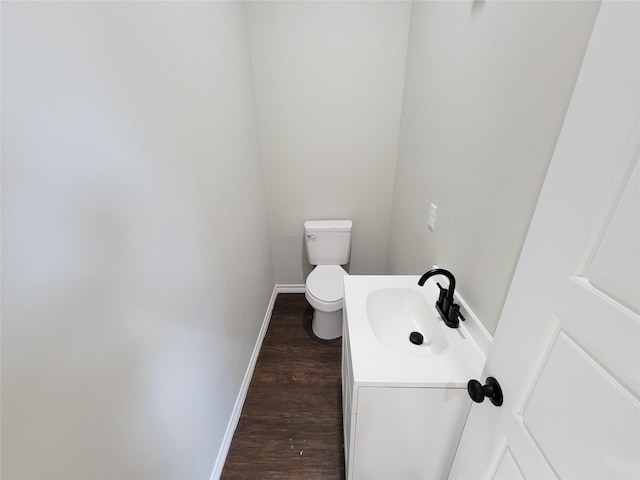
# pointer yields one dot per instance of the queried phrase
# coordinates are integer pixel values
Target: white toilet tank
(328, 242)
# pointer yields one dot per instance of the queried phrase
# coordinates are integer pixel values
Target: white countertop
(375, 364)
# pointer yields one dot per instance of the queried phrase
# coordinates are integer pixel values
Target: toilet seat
(324, 288)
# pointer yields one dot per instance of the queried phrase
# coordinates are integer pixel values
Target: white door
(567, 349)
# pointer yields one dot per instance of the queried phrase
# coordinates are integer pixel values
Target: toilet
(328, 245)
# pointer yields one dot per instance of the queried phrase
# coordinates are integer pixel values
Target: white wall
(487, 86)
(329, 79)
(136, 268)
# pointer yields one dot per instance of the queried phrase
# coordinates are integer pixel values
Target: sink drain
(416, 338)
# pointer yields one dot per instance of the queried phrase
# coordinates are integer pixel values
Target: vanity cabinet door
(408, 433)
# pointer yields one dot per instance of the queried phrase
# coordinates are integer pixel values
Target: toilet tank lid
(328, 225)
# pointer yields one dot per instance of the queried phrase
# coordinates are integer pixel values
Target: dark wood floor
(291, 423)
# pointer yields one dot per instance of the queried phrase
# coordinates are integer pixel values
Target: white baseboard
(289, 288)
(242, 394)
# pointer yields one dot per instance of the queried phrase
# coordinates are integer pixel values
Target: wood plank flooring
(291, 423)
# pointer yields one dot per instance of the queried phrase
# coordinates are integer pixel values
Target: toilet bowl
(328, 245)
(324, 291)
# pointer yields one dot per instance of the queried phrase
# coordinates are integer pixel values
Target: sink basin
(380, 313)
(394, 313)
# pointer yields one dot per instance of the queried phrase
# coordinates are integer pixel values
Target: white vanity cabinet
(404, 406)
(399, 432)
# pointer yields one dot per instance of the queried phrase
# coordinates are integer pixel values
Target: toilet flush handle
(311, 236)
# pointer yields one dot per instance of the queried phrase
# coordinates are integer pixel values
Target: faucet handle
(443, 294)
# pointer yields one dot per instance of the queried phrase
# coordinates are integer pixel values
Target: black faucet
(448, 310)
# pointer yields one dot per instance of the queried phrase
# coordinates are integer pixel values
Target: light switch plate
(431, 222)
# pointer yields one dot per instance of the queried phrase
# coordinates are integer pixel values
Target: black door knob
(491, 390)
